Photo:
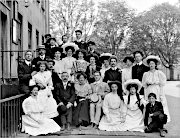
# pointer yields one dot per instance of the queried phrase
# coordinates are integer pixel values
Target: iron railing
(10, 116)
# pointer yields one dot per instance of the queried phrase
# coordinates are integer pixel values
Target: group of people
(72, 84)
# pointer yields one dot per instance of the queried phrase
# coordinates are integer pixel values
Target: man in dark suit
(139, 69)
(65, 97)
(81, 44)
(25, 72)
(154, 111)
(41, 56)
(114, 73)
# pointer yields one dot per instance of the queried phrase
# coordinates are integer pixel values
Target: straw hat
(69, 45)
(133, 81)
(105, 56)
(152, 57)
(41, 47)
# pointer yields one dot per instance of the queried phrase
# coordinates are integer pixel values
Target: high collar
(27, 62)
(140, 63)
(113, 68)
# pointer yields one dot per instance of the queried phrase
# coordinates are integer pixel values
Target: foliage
(157, 32)
(66, 16)
(111, 27)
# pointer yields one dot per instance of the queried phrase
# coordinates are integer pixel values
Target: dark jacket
(156, 110)
(64, 95)
(24, 75)
(113, 75)
(138, 71)
(91, 80)
(81, 45)
(35, 61)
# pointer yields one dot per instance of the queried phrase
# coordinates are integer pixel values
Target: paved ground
(172, 91)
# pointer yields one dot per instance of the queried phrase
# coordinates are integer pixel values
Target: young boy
(155, 113)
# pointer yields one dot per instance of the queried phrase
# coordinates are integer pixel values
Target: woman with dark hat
(127, 71)
(58, 66)
(69, 49)
(83, 91)
(113, 109)
(104, 58)
(44, 80)
(92, 58)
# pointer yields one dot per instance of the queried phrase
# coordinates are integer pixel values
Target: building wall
(35, 14)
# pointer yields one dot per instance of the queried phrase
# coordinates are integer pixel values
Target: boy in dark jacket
(155, 115)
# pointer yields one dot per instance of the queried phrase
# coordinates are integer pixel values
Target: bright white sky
(143, 5)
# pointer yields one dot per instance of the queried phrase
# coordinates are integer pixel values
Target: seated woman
(34, 122)
(113, 110)
(44, 80)
(82, 90)
(134, 104)
(154, 116)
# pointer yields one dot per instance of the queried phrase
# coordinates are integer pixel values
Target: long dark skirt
(81, 113)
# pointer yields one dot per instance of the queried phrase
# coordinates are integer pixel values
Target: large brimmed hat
(92, 55)
(62, 109)
(41, 47)
(82, 51)
(51, 38)
(133, 81)
(153, 58)
(55, 49)
(70, 45)
(105, 56)
(130, 58)
(51, 60)
(118, 83)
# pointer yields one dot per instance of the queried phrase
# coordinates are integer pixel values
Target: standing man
(64, 39)
(81, 44)
(25, 72)
(91, 48)
(41, 55)
(47, 36)
(139, 69)
(114, 73)
(100, 89)
(65, 97)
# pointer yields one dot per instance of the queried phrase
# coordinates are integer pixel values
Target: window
(37, 38)
(29, 36)
(19, 34)
(42, 39)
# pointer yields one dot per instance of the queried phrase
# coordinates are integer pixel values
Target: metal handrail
(11, 98)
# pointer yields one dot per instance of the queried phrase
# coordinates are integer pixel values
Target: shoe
(162, 133)
(147, 130)
(68, 127)
(63, 128)
(92, 124)
(95, 126)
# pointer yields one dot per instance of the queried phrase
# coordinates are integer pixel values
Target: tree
(112, 24)
(68, 15)
(158, 31)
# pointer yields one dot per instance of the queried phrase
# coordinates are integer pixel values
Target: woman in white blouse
(69, 49)
(127, 71)
(154, 81)
(58, 66)
(44, 80)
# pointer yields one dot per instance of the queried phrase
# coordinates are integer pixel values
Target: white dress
(68, 65)
(126, 75)
(34, 122)
(103, 70)
(58, 66)
(112, 108)
(134, 117)
(154, 82)
(45, 96)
